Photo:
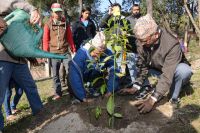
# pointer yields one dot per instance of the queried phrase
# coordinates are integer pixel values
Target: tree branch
(192, 19)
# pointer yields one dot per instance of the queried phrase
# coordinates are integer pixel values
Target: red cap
(56, 7)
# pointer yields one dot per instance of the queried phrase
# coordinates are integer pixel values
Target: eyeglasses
(146, 40)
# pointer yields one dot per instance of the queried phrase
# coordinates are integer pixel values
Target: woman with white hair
(94, 51)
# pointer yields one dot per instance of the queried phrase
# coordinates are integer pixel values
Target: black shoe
(144, 92)
(93, 93)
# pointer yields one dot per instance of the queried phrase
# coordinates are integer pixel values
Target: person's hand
(145, 106)
(110, 11)
(88, 100)
(127, 91)
(108, 94)
(35, 17)
(3, 26)
(73, 54)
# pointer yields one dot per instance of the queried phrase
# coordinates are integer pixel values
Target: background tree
(149, 7)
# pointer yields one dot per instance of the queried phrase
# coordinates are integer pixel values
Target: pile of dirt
(81, 119)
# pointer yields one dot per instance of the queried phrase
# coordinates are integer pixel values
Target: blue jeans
(182, 76)
(55, 70)
(18, 94)
(21, 75)
(131, 63)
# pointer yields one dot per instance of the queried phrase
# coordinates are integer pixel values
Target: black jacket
(108, 22)
(82, 33)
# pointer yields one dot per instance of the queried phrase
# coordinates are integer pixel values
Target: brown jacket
(164, 57)
(57, 38)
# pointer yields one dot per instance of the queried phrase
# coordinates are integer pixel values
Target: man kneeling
(80, 72)
(160, 55)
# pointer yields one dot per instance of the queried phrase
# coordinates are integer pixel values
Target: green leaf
(107, 58)
(102, 64)
(95, 80)
(110, 121)
(118, 48)
(118, 115)
(103, 89)
(110, 105)
(120, 74)
(90, 64)
(98, 112)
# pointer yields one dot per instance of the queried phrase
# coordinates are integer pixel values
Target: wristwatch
(156, 96)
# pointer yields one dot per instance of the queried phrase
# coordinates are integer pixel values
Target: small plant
(98, 112)
(116, 42)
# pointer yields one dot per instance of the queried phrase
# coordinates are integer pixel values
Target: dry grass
(189, 109)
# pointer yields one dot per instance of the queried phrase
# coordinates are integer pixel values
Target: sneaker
(93, 92)
(75, 101)
(175, 103)
(144, 92)
(56, 97)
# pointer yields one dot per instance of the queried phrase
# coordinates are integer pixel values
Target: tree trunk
(199, 19)
(197, 30)
(186, 38)
(149, 7)
(80, 2)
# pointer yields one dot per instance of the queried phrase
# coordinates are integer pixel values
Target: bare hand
(110, 11)
(88, 100)
(145, 106)
(73, 54)
(126, 91)
(35, 17)
(108, 94)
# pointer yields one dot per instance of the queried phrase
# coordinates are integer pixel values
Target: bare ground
(81, 119)
(63, 117)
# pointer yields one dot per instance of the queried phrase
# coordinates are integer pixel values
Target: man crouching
(159, 54)
(93, 52)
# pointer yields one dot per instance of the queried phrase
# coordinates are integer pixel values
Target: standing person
(84, 28)
(115, 23)
(63, 76)
(132, 54)
(15, 67)
(159, 55)
(57, 38)
(11, 109)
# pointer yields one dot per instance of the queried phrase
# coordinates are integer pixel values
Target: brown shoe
(56, 97)
(11, 118)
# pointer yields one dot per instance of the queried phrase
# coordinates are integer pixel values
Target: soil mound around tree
(81, 119)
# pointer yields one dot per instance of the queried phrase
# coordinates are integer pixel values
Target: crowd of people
(152, 51)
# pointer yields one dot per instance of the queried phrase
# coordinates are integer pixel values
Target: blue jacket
(81, 59)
